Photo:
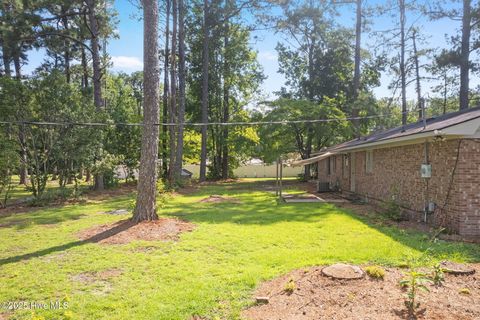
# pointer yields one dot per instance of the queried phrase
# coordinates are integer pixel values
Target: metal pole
(281, 177)
(276, 177)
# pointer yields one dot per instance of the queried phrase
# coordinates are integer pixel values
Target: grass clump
(290, 286)
(375, 272)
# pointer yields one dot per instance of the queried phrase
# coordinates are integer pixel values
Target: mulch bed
(219, 199)
(125, 231)
(319, 297)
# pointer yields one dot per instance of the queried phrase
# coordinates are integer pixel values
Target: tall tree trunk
(84, 69)
(311, 62)
(6, 60)
(66, 54)
(226, 103)
(465, 55)
(181, 94)
(205, 60)
(403, 74)
(166, 89)
(97, 72)
(17, 64)
(145, 208)
(96, 64)
(173, 91)
(356, 74)
(445, 92)
(23, 170)
(417, 76)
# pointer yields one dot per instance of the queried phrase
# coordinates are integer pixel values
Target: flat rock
(118, 212)
(456, 268)
(262, 300)
(343, 271)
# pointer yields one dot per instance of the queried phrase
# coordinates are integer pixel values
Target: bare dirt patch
(125, 231)
(99, 282)
(90, 277)
(215, 198)
(318, 297)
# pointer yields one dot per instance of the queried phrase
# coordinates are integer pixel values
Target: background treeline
(211, 74)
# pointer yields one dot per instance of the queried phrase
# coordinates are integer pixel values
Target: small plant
(391, 207)
(438, 275)
(375, 272)
(290, 286)
(392, 210)
(465, 291)
(414, 282)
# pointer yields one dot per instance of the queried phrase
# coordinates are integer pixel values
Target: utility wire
(195, 124)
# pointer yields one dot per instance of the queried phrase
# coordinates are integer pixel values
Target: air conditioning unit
(323, 186)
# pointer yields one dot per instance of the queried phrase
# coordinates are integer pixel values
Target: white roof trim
(312, 160)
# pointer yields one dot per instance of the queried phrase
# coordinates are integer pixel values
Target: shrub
(392, 210)
(106, 166)
(375, 272)
(53, 195)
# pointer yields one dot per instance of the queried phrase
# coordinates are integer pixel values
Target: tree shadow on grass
(94, 239)
(265, 211)
(53, 215)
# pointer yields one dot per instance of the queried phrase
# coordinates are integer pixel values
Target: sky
(127, 51)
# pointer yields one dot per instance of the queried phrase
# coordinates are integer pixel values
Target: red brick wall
(396, 172)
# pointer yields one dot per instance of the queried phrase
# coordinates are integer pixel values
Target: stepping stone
(118, 212)
(343, 271)
(262, 300)
(456, 268)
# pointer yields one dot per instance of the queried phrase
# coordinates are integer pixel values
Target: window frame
(369, 161)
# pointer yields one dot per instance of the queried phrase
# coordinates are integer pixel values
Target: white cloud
(127, 63)
(267, 56)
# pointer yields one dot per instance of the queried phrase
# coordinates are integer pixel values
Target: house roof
(447, 124)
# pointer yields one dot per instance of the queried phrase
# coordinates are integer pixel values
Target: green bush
(106, 167)
(392, 210)
(52, 195)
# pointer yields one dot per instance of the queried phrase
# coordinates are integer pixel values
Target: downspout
(425, 207)
(426, 202)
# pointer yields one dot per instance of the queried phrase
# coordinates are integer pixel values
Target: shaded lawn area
(210, 272)
(19, 193)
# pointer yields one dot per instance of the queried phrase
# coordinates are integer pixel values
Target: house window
(332, 164)
(329, 167)
(369, 161)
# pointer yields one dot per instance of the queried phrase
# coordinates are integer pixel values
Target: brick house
(430, 168)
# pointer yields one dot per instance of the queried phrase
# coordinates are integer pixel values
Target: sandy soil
(124, 231)
(318, 297)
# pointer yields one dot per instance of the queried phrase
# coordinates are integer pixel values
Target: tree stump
(343, 271)
(456, 268)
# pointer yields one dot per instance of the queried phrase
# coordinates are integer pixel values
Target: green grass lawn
(211, 271)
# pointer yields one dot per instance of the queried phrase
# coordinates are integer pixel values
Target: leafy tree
(301, 137)
(233, 80)
(464, 43)
(123, 141)
(8, 163)
(66, 147)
